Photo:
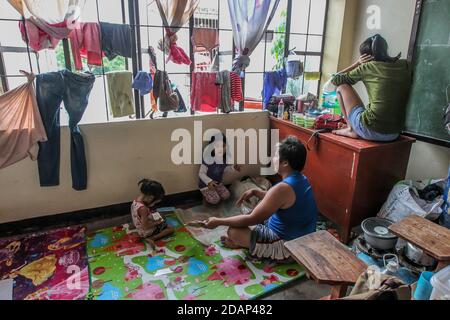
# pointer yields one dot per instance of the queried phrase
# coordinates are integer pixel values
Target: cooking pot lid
(378, 227)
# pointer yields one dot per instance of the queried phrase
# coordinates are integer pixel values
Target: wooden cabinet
(351, 179)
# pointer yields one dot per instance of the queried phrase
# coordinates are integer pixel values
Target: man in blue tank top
(286, 212)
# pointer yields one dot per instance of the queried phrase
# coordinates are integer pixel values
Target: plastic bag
(445, 217)
(404, 201)
(329, 87)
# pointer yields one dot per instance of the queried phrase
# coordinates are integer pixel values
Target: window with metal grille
(298, 25)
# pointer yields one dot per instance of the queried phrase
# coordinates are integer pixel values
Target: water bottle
(280, 109)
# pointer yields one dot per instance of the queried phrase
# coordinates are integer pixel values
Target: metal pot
(377, 234)
(419, 257)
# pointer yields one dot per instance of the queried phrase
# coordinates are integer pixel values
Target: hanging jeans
(73, 89)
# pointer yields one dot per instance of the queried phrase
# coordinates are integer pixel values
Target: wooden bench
(327, 261)
(426, 235)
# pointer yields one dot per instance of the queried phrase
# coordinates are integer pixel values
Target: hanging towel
(116, 40)
(143, 82)
(85, 42)
(205, 94)
(120, 94)
(223, 79)
(163, 92)
(21, 125)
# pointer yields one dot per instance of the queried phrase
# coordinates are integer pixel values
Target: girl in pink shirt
(148, 222)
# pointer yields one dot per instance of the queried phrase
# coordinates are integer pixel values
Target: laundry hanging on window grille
(21, 125)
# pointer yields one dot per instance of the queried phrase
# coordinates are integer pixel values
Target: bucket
(424, 287)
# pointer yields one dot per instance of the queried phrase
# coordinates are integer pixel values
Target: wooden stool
(327, 261)
(432, 238)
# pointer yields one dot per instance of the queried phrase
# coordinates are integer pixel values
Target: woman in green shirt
(388, 82)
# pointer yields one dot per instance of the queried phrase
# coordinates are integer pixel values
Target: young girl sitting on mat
(388, 82)
(212, 171)
(148, 222)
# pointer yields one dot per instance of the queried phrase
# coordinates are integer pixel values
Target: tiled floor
(302, 290)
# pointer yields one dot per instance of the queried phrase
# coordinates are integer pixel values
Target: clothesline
(187, 28)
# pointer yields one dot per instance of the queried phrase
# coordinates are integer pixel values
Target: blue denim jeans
(73, 89)
(366, 133)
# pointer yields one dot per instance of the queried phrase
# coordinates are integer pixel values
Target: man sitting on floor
(286, 212)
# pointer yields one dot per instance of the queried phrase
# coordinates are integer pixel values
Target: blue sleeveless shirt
(300, 219)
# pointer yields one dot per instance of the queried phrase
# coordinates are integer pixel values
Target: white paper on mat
(224, 210)
(6, 289)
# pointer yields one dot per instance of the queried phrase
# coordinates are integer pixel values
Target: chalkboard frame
(411, 52)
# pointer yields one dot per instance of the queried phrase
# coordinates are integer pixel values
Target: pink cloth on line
(21, 125)
(205, 94)
(85, 42)
(177, 55)
(42, 35)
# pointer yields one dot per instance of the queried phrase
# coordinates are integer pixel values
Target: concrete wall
(118, 154)
(427, 160)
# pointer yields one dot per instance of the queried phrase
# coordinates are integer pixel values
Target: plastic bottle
(329, 98)
(280, 109)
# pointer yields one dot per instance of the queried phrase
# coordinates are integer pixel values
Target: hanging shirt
(116, 40)
(85, 42)
(236, 87)
(21, 125)
(274, 83)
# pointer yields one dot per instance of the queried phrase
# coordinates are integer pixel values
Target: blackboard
(431, 67)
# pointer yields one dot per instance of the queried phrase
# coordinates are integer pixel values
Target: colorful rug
(47, 266)
(122, 267)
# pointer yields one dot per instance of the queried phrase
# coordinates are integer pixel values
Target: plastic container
(424, 288)
(441, 285)
(367, 259)
(393, 268)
